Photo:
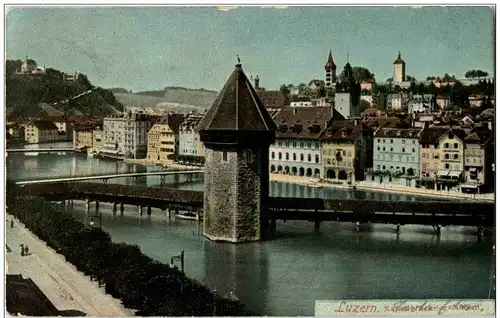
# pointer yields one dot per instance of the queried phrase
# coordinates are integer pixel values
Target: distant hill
(179, 99)
(37, 95)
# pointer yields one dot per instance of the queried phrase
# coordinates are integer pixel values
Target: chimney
(257, 82)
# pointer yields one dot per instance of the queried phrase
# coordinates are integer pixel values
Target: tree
(410, 78)
(285, 90)
(475, 73)
(430, 78)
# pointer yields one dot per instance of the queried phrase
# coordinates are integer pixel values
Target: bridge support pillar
(122, 208)
(149, 210)
(115, 208)
(272, 228)
(139, 209)
(479, 232)
(438, 230)
(97, 207)
(357, 226)
(316, 225)
(398, 229)
(87, 206)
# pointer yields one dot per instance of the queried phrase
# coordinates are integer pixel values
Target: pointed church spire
(399, 54)
(330, 64)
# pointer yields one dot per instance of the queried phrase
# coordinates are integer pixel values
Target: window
(404, 150)
(378, 148)
(413, 141)
(343, 152)
(383, 140)
(301, 145)
(455, 145)
(392, 149)
(279, 155)
(224, 156)
(301, 157)
(294, 156)
(392, 141)
(249, 156)
(317, 159)
(294, 144)
(446, 156)
(403, 141)
(287, 156)
(447, 166)
(455, 156)
(447, 145)
(378, 167)
(392, 167)
(383, 148)
(413, 150)
(272, 155)
(383, 167)
(309, 157)
(403, 169)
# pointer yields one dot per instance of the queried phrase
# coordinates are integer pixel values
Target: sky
(152, 47)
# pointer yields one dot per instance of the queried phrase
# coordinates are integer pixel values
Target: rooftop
(237, 108)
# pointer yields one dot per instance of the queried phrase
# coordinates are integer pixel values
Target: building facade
(348, 94)
(397, 150)
(346, 150)
(189, 138)
(430, 153)
(39, 131)
(421, 103)
(83, 135)
(479, 157)
(451, 146)
(125, 136)
(297, 149)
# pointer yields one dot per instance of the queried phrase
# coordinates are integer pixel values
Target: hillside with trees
(24, 93)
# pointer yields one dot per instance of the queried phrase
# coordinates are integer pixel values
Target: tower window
(224, 156)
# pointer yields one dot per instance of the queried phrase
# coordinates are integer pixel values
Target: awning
(455, 173)
(470, 185)
(443, 173)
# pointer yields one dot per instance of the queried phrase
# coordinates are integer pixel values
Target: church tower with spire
(399, 70)
(348, 94)
(236, 131)
(330, 72)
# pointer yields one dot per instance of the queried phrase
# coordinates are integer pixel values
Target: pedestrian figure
(26, 251)
(22, 249)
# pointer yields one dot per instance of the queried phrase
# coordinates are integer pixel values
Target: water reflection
(238, 271)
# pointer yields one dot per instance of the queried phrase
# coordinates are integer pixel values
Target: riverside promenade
(394, 189)
(360, 185)
(61, 282)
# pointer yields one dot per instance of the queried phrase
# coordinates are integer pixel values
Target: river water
(284, 276)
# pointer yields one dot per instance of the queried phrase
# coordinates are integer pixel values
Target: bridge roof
(237, 108)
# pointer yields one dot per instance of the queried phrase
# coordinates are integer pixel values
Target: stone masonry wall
(249, 195)
(220, 194)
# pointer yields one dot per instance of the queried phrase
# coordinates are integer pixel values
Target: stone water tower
(237, 131)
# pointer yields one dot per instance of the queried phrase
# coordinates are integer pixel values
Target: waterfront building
(399, 70)
(430, 154)
(346, 150)
(477, 100)
(348, 94)
(125, 136)
(479, 157)
(297, 149)
(97, 140)
(163, 138)
(451, 147)
(368, 85)
(236, 131)
(397, 150)
(189, 139)
(38, 131)
(83, 134)
(330, 72)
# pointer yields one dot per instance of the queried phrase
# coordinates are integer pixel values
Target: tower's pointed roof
(399, 60)
(237, 108)
(330, 63)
